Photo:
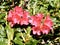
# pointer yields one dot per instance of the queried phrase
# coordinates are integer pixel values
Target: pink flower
(19, 11)
(26, 14)
(40, 15)
(47, 26)
(44, 27)
(25, 18)
(48, 22)
(13, 18)
(24, 21)
(18, 16)
(36, 20)
(36, 30)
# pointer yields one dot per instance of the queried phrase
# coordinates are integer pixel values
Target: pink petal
(34, 32)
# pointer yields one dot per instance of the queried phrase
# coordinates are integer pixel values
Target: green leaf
(32, 42)
(2, 6)
(17, 40)
(2, 31)
(3, 41)
(28, 30)
(10, 32)
(2, 15)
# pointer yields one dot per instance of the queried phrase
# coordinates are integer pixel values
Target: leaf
(28, 30)
(2, 6)
(2, 31)
(17, 40)
(32, 42)
(3, 41)
(2, 15)
(10, 32)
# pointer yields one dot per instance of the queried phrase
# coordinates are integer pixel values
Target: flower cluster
(18, 16)
(40, 24)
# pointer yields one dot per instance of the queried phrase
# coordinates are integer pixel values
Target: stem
(21, 3)
(9, 42)
(22, 37)
(28, 6)
(6, 18)
(34, 8)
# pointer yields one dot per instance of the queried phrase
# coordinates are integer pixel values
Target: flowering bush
(30, 22)
(20, 16)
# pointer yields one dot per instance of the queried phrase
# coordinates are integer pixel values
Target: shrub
(29, 22)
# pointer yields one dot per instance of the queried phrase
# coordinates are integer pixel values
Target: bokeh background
(16, 35)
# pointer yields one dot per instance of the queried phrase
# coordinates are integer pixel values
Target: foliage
(22, 35)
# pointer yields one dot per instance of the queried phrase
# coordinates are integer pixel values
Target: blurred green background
(16, 36)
